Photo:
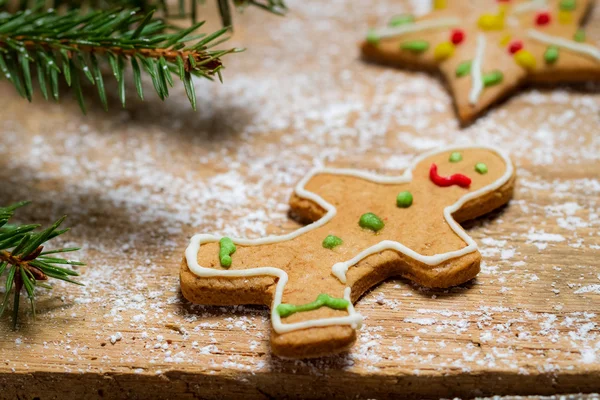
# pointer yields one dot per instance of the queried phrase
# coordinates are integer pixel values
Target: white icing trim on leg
(351, 313)
(339, 270)
(476, 76)
(425, 25)
(191, 254)
(582, 48)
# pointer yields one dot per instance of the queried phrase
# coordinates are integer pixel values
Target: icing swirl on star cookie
(476, 74)
(558, 41)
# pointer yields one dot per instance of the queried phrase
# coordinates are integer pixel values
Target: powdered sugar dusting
(138, 182)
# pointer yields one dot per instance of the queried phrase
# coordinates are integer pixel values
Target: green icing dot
(568, 5)
(226, 249)
(579, 36)
(371, 221)
(463, 69)
(492, 78)
(372, 37)
(455, 157)
(551, 54)
(404, 199)
(285, 310)
(481, 168)
(399, 20)
(332, 241)
(416, 46)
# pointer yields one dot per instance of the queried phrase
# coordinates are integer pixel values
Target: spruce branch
(24, 262)
(186, 8)
(74, 45)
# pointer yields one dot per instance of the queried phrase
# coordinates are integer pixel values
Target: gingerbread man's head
(464, 178)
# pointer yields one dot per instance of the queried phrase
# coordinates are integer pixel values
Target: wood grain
(138, 182)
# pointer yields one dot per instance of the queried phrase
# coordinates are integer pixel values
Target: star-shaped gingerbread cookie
(486, 49)
(364, 228)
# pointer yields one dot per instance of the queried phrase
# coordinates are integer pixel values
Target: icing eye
(481, 168)
(455, 157)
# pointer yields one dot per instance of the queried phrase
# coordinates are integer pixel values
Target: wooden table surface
(138, 182)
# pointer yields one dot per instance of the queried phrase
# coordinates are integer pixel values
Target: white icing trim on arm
(339, 270)
(572, 45)
(426, 25)
(476, 75)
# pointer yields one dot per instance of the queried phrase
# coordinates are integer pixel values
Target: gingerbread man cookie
(365, 228)
(486, 49)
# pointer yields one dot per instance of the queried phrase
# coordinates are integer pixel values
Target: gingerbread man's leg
(292, 276)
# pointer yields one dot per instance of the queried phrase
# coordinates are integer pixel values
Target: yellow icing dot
(525, 59)
(565, 17)
(439, 4)
(491, 22)
(443, 51)
(505, 40)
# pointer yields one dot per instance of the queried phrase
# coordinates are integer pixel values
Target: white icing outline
(532, 5)
(353, 318)
(558, 41)
(425, 25)
(476, 75)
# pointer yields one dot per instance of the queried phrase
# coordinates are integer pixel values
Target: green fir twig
(25, 264)
(186, 8)
(73, 45)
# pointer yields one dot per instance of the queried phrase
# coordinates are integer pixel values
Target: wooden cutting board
(138, 182)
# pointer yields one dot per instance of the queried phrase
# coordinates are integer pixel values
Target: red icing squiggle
(456, 179)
